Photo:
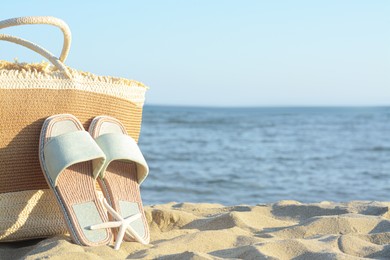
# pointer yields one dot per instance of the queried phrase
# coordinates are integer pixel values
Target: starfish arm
(131, 230)
(119, 237)
(124, 225)
(111, 211)
(132, 218)
(112, 224)
(135, 235)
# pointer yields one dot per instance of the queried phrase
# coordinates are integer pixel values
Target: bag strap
(43, 20)
(34, 47)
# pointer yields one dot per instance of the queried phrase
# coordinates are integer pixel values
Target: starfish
(122, 223)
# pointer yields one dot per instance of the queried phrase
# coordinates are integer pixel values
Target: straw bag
(29, 93)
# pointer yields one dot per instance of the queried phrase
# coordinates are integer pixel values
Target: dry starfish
(122, 223)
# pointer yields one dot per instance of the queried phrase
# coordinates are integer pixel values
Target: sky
(222, 52)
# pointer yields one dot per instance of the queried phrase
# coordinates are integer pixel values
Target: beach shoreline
(282, 230)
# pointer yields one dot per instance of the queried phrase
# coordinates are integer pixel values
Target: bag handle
(43, 20)
(32, 46)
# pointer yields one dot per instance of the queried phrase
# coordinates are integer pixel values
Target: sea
(262, 155)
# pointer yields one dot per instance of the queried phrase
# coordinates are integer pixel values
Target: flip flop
(71, 160)
(120, 179)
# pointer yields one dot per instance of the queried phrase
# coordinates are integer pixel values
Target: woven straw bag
(29, 93)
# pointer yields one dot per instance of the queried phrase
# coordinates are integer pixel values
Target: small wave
(321, 158)
(374, 149)
(381, 149)
(282, 158)
(198, 122)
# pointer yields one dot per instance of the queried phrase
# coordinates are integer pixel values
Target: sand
(284, 230)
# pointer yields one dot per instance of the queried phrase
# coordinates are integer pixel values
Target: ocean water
(260, 155)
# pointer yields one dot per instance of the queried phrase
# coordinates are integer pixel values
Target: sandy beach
(252, 129)
(284, 230)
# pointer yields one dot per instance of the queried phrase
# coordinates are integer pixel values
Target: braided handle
(43, 20)
(32, 46)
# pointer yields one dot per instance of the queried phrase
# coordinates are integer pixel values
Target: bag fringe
(44, 70)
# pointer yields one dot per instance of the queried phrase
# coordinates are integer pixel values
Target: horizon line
(269, 106)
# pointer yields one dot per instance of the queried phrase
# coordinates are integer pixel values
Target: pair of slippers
(72, 159)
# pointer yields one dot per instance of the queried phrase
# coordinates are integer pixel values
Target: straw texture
(29, 214)
(22, 116)
(29, 93)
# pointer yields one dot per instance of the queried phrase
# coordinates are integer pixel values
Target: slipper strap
(122, 147)
(65, 150)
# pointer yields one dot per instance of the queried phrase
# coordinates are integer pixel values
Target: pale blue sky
(225, 53)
